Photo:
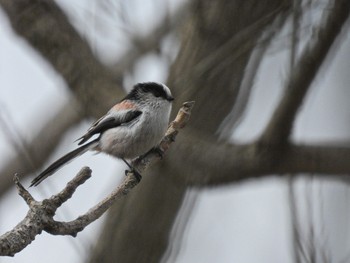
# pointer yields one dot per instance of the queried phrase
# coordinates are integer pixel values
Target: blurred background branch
(304, 72)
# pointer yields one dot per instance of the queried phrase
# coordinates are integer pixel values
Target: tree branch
(210, 164)
(281, 123)
(40, 214)
(38, 218)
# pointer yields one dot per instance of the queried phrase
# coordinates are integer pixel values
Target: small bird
(131, 128)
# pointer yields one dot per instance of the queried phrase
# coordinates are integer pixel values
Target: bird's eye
(157, 94)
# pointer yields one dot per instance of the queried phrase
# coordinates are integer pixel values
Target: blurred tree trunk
(217, 42)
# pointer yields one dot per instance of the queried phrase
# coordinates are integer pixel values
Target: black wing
(108, 122)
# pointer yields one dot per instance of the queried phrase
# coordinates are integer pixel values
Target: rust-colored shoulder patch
(124, 105)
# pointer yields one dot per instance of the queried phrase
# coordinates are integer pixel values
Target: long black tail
(63, 160)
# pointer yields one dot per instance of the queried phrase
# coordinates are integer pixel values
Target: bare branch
(281, 124)
(212, 164)
(40, 214)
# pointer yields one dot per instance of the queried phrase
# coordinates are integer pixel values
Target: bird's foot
(137, 175)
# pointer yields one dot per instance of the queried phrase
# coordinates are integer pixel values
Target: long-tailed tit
(130, 128)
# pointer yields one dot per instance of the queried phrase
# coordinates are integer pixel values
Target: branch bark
(212, 164)
(40, 215)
